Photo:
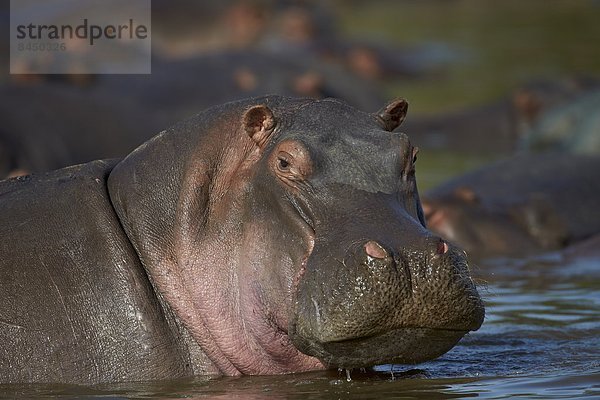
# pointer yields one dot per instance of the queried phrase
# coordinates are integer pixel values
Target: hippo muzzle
(393, 294)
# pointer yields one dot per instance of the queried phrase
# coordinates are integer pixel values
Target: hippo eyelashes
(283, 164)
(259, 123)
(292, 161)
(391, 116)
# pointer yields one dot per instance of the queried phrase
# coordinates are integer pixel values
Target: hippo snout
(382, 303)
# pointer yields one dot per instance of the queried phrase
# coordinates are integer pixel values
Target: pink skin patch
(435, 217)
(442, 247)
(375, 250)
(440, 222)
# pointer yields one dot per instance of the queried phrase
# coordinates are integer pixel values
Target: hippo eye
(292, 162)
(283, 164)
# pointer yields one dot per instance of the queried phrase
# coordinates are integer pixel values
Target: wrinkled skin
(519, 206)
(264, 236)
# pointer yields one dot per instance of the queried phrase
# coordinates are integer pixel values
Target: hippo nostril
(442, 247)
(375, 250)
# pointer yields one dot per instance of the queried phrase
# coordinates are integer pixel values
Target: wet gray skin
(265, 236)
(410, 299)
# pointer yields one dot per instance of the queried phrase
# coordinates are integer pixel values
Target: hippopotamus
(176, 89)
(520, 206)
(497, 127)
(51, 125)
(181, 29)
(264, 236)
(574, 127)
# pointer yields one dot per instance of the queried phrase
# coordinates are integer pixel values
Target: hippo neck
(228, 270)
(252, 319)
(145, 198)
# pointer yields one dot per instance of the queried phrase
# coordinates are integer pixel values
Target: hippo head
(488, 228)
(293, 238)
(374, 286)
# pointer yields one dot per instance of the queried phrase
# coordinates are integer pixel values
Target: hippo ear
(466, 194)
(391, 116)
(259, 123)
(527, 104)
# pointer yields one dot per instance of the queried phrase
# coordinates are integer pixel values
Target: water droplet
(348, 378)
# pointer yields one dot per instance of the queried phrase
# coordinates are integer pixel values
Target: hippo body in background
(53, 125)
(586, 250)
(264, 236)
(496, 127)
(183, 29)
(519, 206)
(49, 125)
(307, 29)
(489, 128)
(177, 89)
(574, 127)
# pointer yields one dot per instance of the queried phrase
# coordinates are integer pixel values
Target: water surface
(540, 339)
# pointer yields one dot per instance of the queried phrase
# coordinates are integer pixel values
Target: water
(541, 339)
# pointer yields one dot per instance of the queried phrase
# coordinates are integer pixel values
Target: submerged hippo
(574, 127)
(51, 125)
(519, 206)
(264, 236)
(497, 127)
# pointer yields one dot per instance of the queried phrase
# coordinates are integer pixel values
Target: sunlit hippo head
(375, 286)
(296, 239)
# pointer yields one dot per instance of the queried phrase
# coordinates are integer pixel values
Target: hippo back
(73, 294)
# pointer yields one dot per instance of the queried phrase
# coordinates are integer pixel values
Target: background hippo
(501, 126)
(519, 206)
(572, 127)
(264, 236)
(52, 124)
